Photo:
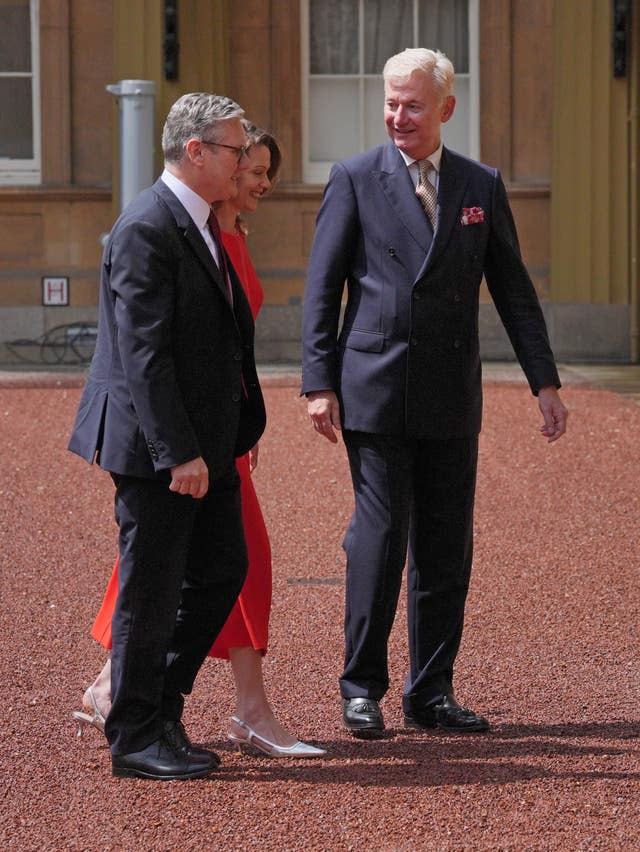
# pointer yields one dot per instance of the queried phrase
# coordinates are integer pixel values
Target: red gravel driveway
(550, 652)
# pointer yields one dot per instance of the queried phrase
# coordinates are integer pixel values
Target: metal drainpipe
(136, 107)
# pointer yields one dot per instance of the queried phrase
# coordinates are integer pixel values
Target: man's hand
(253, 458)
(191, 478)
(324, 410)
(554, 413)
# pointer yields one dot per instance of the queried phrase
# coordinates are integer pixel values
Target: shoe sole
(368, 732)
(118, 772)
(414, 724)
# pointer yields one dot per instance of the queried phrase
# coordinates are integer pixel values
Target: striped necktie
(426, 192)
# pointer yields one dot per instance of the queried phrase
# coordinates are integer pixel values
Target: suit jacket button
(236, 397)
(237, 356)
(456, 297)
(456, 344)
(417, 296)
(392, 252)
(414, 341)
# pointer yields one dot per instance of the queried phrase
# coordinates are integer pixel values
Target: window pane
(15, 36)
(444, 25)
(333, 36)
(455, 132)
(16, 132)
(388, 29)
(374, 130)
(334, 116)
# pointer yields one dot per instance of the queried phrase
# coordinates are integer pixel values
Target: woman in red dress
(243, 639)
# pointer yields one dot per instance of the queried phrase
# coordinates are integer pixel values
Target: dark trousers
(182, 565)
(417, 494)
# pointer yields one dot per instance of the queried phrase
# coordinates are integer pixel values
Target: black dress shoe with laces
(448, 715)
(162, 761)
(363, 717)
(179, 739)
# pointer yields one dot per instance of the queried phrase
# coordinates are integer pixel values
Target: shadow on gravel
(404, 759)
(571, 730)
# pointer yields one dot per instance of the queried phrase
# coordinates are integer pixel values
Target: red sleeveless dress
(248, 622)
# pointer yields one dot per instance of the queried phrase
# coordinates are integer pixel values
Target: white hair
(432, 63)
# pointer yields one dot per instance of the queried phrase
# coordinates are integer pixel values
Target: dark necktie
(214, 228)
(426, 192)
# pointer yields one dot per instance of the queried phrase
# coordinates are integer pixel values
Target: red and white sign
(55, 291)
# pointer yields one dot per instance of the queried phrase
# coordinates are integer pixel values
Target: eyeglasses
(240, 150)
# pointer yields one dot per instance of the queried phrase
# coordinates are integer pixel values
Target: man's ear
(194, 150)
(448, 106)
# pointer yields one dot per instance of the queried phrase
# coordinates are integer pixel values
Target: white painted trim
(304, 86)
(15, 172)
(35, 68)
(474, 81)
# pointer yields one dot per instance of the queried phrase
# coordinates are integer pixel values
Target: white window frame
(16, 172)
(318, 171)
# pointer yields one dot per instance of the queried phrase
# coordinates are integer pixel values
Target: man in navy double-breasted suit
(412, 227)
(172, 397)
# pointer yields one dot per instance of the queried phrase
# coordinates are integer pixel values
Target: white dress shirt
(196, 207)
(434, 174)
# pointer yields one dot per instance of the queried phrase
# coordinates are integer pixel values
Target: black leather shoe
(179, 739)
(161, 761)
(363, 717)
(447, 715)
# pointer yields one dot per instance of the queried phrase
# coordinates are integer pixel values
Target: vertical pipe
(136, 107)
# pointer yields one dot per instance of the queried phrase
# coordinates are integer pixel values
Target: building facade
(548, 92)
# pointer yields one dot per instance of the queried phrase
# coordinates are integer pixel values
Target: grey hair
(195, 116)
(432, 63)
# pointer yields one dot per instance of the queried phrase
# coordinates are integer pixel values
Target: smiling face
(413, 113)
(253, 182)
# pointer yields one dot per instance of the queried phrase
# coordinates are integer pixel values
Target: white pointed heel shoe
(250, 738)
(96, 719)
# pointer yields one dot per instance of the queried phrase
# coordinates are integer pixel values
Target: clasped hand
(190, 478)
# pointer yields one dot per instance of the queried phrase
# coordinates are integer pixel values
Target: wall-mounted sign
(55, 291)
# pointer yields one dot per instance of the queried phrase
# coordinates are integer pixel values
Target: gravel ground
(550, 652)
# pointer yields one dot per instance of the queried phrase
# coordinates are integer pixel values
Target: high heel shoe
(97, 719)
(250, 738)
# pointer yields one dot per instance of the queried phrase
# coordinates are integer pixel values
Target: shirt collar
(194, 204)
(435, 158)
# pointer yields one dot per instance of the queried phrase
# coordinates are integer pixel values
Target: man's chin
(403, 144)
(227, 192)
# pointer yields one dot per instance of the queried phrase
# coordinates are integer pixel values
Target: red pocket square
(472, 215)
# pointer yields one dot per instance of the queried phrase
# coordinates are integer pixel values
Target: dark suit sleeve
(327, 272)
(144, 277)
(515, 297)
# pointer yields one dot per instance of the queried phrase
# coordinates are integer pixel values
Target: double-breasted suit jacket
(406, 358)
(173, 376)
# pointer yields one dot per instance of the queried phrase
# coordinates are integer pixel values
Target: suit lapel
(192, 235)
(452, 183)
(396, 184)
(201, 249)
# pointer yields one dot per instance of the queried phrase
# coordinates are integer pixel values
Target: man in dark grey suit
(412, 227)
(171, 398)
